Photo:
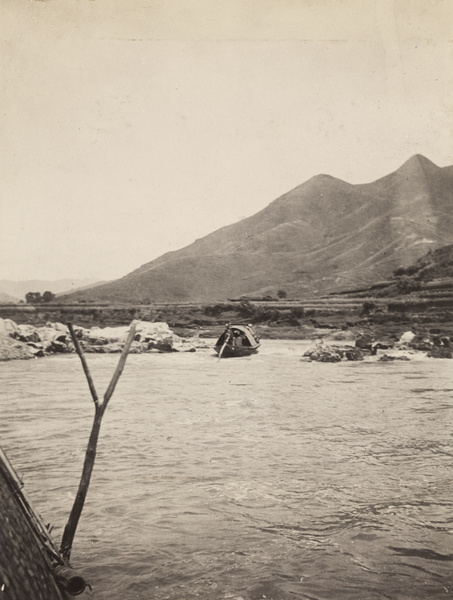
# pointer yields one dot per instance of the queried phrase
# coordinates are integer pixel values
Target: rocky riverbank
(28, 341)
(348, 346)
(24, 341)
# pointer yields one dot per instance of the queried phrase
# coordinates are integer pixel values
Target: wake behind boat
(237, 340)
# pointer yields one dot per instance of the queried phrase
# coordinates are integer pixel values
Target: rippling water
(254, 477)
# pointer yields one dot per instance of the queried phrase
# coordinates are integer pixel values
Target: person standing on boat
(238, 338)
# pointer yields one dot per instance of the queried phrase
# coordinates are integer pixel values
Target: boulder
(152, 336)
(315, 346)
(165, 345)
(321, 352)
(11, 349)
(57, 346)
(138, 348)
(154, 330)
(57, 326)
(387, 358)
(26, 333)
(81, 332)
(8, 327)
(354, 354)
(421, 342)
(36, 349)
(100, 341)
(326, 354)
(53, 340)
(364, 341)
(379, 346)
(106, 335)
(96, 349)
(440, 352)
(407, 337)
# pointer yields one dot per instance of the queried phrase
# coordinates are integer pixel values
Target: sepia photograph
(226, 299)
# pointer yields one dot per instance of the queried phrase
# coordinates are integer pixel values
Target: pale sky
(129, 128)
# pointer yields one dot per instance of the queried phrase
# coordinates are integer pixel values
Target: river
(244, 478)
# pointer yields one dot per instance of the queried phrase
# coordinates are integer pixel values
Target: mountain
(18, 289)
(324, 235)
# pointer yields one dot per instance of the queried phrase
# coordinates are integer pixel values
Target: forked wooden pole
(90, 455)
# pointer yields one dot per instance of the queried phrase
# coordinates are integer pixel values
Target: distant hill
(7, 299)
(18, 289)
(79, 288)
(324, 236)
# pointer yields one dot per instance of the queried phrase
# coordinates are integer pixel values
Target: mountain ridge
(323, 235)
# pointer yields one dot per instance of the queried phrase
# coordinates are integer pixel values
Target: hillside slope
(323, 236)
(430, 276)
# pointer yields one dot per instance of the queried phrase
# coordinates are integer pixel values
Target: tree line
(37, 298)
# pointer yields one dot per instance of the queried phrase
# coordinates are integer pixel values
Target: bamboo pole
(90, 455)
(227, 339)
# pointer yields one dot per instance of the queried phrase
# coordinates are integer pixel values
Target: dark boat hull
(30, 565)
(233, 351)
(25, 567)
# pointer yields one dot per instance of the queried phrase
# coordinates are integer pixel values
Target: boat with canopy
(237, 340)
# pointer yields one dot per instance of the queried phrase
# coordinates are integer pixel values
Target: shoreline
(327, 342)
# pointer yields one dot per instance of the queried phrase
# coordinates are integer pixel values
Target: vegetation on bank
(433, 265)
(433, 273)
(37, 298)
(295, 320)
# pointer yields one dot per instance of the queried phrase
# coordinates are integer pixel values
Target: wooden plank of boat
(30, 565)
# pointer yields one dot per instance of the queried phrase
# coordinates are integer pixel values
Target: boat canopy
(248, 337)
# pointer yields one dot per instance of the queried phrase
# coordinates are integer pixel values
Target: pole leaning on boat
(227, 338)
